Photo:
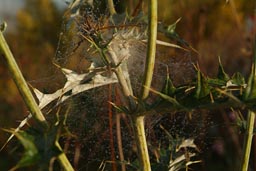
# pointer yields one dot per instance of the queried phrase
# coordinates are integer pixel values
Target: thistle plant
(117, 51)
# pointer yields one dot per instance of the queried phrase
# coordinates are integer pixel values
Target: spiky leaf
(170, 32)
(169, 88)
(202, 88)
(238, 79)
(121, 109)
(250, 92)
(172, 100)
(171, 28)
(31, 154)
(222, 75)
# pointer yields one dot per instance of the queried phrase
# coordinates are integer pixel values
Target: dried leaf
(187, 143)
(177, 164)
(76, 83)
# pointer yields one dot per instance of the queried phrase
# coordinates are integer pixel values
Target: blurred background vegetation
(213, 27)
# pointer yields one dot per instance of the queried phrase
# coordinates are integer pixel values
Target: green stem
(62, 158)
(141, 142)
(138, 121)
(27, 95)
(248, 141)
(21, 83)
(151, 49)
(111, 7)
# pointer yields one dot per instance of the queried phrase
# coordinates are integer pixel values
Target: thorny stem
(21, 83)
(248, 141)
(138, 121)
(27, 95)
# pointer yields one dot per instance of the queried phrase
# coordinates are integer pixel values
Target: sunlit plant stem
(27, 96)
(138, 121)
(21, 83)
(248, 141)
(111, 7)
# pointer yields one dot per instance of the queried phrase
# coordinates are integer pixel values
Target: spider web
(88, 117)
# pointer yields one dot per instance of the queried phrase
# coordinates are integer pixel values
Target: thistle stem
(141, 142)
(151, 49)
(27, 95)
(21, 83)
(63, 160)
(138, 121)
(111, 7)
(248, 141)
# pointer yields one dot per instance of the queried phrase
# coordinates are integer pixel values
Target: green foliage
(169, 88)
(202, 87)
(207, 92)
(39, 147)
(31, 154)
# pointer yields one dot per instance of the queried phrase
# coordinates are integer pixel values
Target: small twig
(137, 8)
(118, 131)
(119, 141)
